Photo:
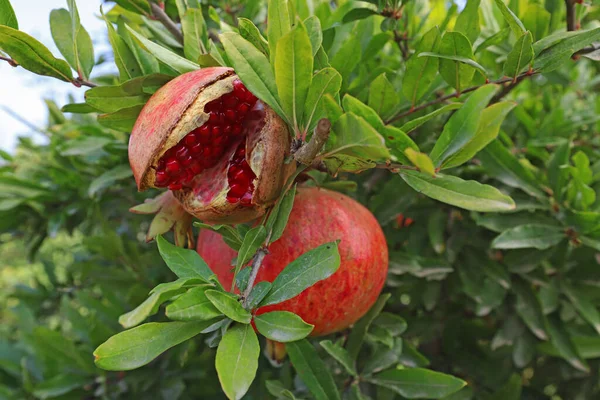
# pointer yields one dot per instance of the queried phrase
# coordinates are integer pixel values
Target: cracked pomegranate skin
(319, 216)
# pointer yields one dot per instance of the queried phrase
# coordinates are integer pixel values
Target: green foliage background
(506, 301)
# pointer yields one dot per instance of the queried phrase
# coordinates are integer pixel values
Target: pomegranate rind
(164, 114)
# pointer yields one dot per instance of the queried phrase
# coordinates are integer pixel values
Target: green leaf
(415, 383)
(173, 60)
(237, 360)
(282, 326)
(496, 39)
(347, 58)
(393, 323)
(398, 142)
(356, 137)
(511, 390)
(279, 25)
(326, 81)
(536, 19)
(229, 305)
(258, 293)
(420, 72)
(138, 346)
(340, 355)
(59, 384)
(108, 178)
(560, 53)
(358, 13)
(253, 240)
(457, 74)
(76, 46)
(467, 21)
(192, 306)
(250, 32)
(557, 172)
(114, 98)
(230, 235)
(293, 72)
(500, 163)
(520, 56)
(562, 341)
(421, 161)
(33, 55)
(315, 33)
(126, 61)
(457, 58)
(357, 335)
(311, 267)
(137, 6)
(195, 34)
(470, 195)
(78, 108)
(529, 309)
(253, 68)
(150, 306)
(312, 370)
(280, 214)
(582, 304)
(382, 96)
(462, 126)
(511, 19)
(7, 15)
(488, 128)
(525, 236)
(417, 122)
(122, 120)
(184, 263)
(146, 61)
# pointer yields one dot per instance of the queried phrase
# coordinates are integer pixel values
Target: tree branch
(571, 15)
(455, 94)
(308, 151)
(81, 82)
(256, 264)
(168, 23)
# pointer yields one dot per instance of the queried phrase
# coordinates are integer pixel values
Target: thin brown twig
(455, 95)
(571, 15)
(79, 82)
(401, 41)
(167, 22)
(10, 61)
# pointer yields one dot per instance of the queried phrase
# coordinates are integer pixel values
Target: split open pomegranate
(207, 138)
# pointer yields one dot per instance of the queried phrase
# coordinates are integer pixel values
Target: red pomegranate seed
(216, 131)
(236, 130)
(175, 186)
(187, 161)
(230, 101)
(237, 190)
(190, 139)
(196, 168)
(250, 98)
(227, 129)
(162, 179)
(230, 115)
(182, 153)
(219, 140)
(173, 166)
(213, 118)
(161, 164)
(197, 148)
(232, 199)
(242, 109)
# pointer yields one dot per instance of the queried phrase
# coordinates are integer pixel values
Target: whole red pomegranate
(319, 216)
(208, 139)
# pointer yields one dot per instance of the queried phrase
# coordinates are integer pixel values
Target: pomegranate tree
(319, 216)
(208, 139)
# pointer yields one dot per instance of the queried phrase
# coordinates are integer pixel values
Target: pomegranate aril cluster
(203, 147)
(240, 177)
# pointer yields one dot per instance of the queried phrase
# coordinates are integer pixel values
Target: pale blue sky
(22, 91)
